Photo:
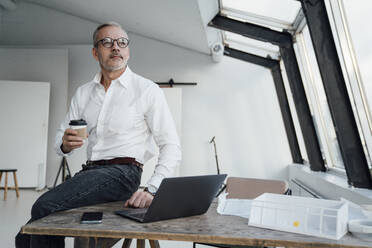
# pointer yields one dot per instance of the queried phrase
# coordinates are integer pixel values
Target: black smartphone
(91, 218)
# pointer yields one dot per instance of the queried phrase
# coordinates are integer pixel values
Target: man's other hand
(139, 199)
(71, 141)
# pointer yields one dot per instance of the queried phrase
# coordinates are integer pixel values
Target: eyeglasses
(109, 42)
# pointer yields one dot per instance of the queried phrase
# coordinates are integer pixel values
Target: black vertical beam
(274, 67)
(337, 96)
(302, 107)
(284, 41)
(286, 114)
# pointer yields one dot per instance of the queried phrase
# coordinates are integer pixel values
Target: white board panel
(24, 111)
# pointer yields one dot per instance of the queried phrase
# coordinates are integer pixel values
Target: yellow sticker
(296, 223)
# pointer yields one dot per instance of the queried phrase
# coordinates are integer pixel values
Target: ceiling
(182, 23)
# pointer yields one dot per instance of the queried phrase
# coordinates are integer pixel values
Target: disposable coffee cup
(80, 126)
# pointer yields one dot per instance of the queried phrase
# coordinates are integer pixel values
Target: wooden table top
(208, 228)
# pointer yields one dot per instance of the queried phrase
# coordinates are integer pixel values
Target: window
(317, 99)
(273, 12)
(348, 19)
(252, 46)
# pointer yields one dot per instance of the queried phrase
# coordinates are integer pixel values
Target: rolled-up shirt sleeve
(160, 121)
(72, 114)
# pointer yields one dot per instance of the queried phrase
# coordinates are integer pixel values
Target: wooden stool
(141, 243)
(6, 171)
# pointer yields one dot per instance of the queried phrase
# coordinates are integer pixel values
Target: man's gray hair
(107, 24)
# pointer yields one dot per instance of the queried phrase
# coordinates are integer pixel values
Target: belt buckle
(138, 164)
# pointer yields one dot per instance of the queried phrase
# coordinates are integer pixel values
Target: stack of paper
(238, 207)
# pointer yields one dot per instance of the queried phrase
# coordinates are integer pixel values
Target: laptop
(178, 197)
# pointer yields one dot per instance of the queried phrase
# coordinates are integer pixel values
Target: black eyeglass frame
(112, 42)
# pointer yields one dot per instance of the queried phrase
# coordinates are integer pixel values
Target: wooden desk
(208, 228)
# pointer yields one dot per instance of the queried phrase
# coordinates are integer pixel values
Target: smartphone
(91, 218)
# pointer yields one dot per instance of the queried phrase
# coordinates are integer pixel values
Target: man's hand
(71, 141)
(139, 199)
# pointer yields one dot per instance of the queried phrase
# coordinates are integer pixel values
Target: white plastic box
(317, 217)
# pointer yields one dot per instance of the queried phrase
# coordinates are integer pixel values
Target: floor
(15, 212)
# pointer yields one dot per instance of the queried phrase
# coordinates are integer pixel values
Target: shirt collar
(123, 79)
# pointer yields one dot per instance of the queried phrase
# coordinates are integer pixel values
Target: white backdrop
(24, 107)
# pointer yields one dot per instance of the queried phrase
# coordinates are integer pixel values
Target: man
(124, 112)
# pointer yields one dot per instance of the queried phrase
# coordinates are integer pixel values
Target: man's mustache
(115, 55)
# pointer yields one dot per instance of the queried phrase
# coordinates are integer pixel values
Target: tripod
(218, 167)
(63, 167)
(215, 153)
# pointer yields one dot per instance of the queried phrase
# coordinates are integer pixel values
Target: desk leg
(82, 242)
(126, 243)
(140, 243)
(6, 185)
(154, 243)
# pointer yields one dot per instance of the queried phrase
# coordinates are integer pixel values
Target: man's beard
(114, 68)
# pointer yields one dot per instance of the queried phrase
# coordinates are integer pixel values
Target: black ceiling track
(171, 83)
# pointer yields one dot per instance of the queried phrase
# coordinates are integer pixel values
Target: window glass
(358, 16)
(318, 101)
(285, 10)
(249, 45)
(354, 52)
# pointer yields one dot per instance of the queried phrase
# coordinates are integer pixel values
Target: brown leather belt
(122, 160)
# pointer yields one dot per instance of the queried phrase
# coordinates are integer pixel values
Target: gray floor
(15, 212)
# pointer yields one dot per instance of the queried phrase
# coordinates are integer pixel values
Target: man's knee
(41, 208)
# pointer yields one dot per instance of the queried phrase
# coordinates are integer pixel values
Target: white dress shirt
(125, 121)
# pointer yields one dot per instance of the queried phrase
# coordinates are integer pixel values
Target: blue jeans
(97, 184)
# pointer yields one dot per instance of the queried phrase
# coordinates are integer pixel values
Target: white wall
(234, 101)
(40, 65)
